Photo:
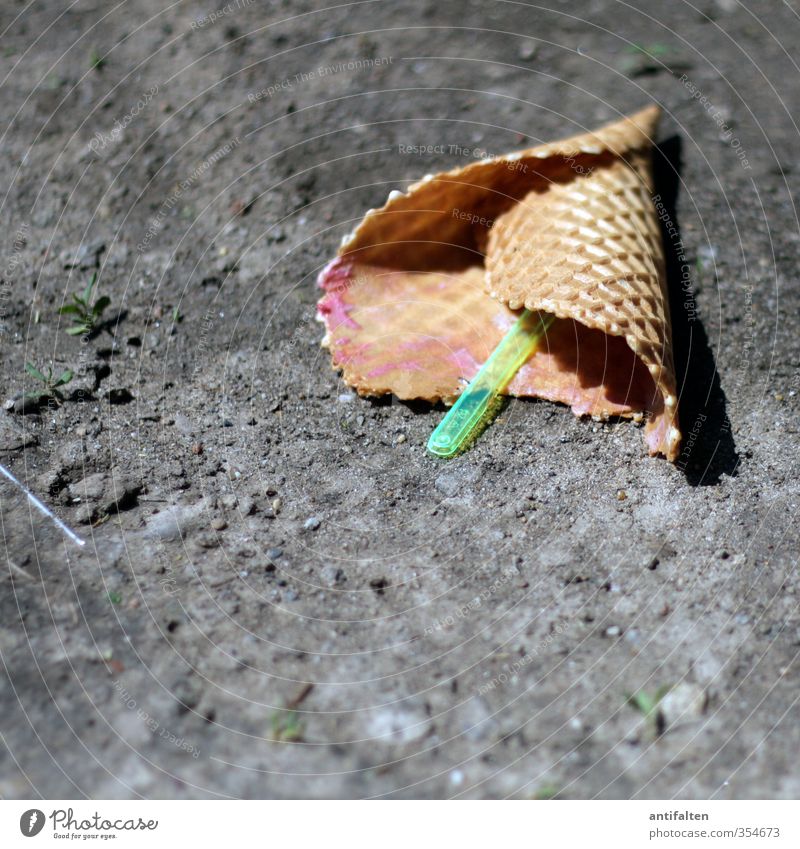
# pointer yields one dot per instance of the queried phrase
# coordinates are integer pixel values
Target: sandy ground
(281, 594)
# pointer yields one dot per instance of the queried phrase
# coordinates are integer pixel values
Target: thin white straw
(42, 508)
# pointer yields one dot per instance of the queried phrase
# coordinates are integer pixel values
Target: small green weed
(648, 705)
(545, 791)
(51, 385)
(286, 727)
(85, 311)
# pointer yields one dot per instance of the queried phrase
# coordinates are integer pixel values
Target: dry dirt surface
(281, 594)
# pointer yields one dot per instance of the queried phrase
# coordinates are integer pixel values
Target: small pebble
(205, 539)
(277, 504)
(686, 702)
(401, 439)
(312, 523)
(621, 495)
(246, 506)
(219, 524)
(613, 631)
(332, 576)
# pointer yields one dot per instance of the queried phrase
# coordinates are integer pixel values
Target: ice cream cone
(569, 228)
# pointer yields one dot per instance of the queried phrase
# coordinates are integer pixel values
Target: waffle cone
(569, 228)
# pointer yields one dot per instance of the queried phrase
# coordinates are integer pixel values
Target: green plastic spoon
(478, 403)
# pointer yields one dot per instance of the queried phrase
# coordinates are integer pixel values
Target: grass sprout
(648, 705)
(85, 311)
(286, 727)
(51, 385)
